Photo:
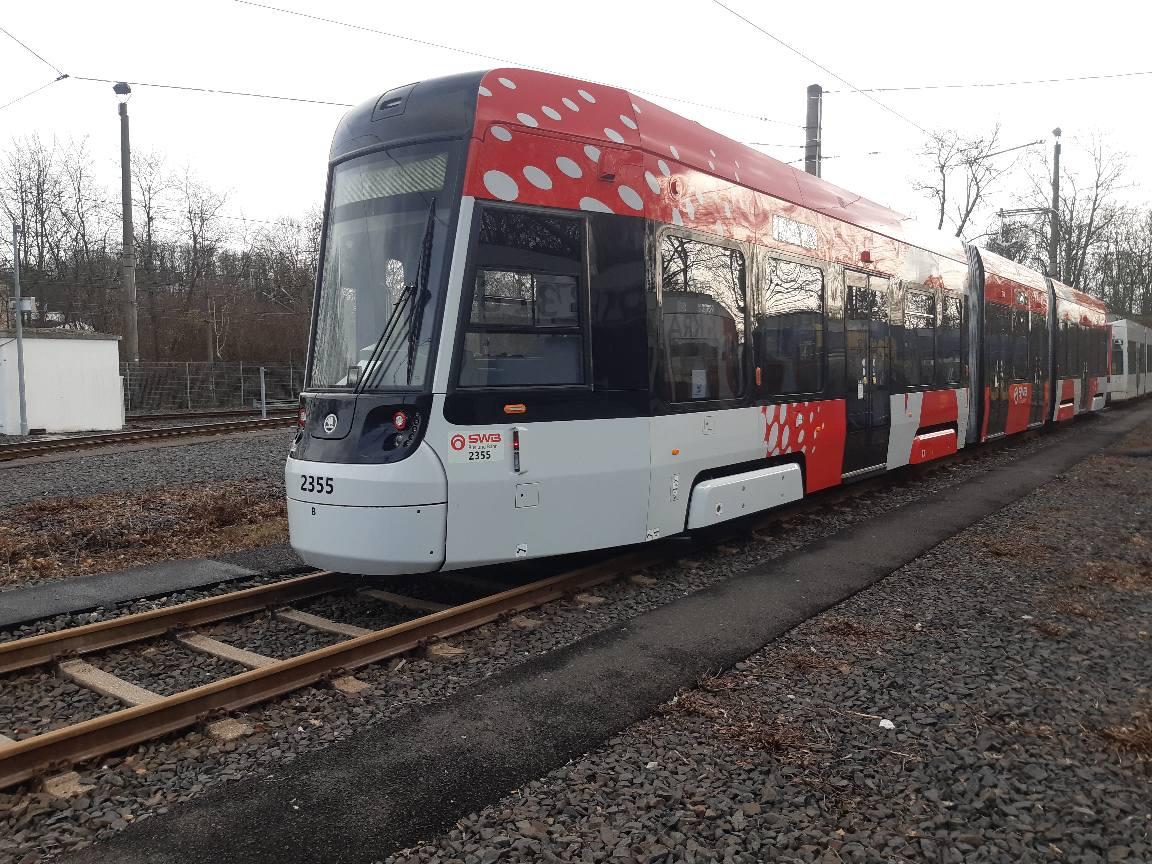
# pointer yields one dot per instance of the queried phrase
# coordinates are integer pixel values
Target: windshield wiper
(419, 294)
(416, 313)
(390, 325)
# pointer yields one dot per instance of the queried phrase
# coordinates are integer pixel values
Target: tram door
(868, 359)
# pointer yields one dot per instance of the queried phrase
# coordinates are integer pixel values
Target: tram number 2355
(311, 483)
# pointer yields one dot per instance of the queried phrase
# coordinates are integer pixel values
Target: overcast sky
(270, 156)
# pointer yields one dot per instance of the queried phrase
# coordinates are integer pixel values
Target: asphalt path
(412, 777)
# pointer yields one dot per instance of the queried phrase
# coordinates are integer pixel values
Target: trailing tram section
(554, 317)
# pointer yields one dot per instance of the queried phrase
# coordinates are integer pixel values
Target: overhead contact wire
(815, 63)
(503, 61)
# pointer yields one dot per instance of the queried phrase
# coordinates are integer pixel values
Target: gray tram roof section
(57, 333)
(435, 108)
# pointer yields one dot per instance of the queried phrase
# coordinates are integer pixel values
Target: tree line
(210, 286)
(1104, 244)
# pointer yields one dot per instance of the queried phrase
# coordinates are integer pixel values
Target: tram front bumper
(376, 520)
(373, 541)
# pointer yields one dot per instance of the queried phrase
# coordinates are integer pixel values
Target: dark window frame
(662, 382)
(763, 255)
(961, 304)
(929, 382)
(468, 290)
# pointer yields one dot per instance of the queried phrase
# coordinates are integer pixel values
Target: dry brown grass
(1076, 609)
(1051, 629)
(1120, 575)
(1134, 737)
(740, 723)
(62, 537)
(851, 629)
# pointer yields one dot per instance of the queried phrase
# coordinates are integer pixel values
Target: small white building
(71, 382)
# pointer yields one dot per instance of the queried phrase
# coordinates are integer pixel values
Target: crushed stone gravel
(983, 703)
(154, 777)
(164, 667)
(254, 455)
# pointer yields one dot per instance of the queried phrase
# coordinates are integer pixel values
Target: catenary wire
(818, 65)
(51, 66)
(213, 90)
(32, 92)
(988, 84)
(504, 61)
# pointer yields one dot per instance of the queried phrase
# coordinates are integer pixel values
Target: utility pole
(19, 309)
(812, 130)
(1054, 239)
(128, 280)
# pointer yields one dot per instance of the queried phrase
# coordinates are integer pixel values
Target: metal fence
(152, 388)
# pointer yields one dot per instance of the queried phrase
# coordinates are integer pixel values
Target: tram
(552, 316)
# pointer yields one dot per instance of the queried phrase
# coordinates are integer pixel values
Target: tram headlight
(400, 421)
(302, 415)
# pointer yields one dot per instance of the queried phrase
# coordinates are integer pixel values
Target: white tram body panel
(1131, 360)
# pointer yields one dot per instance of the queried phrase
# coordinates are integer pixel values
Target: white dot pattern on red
(680, 172)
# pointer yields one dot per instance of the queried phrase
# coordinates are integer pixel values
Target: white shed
(71, 381)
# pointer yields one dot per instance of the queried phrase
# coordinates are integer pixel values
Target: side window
(703, 307)
(919, 338)
(998, 339)
(1021, 363)
(1038, 345)
(525, 324)
(788, 328)
(949, 340)
(1118, 356)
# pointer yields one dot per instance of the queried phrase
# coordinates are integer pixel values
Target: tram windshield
(379, 283)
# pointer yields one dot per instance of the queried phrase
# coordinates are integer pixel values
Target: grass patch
(62, 537)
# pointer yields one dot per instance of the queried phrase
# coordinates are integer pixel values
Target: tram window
(949, 340)
(919, 338)
(1118, 356)
(788, 328)
(1133, 350)
(1038, 345)
(703, 307)
(1021, 363)
(998, 340)
(525, 323)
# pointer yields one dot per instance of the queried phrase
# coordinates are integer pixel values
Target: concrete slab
(224, 651)
(66, 785)
(229, 729)
(106, 684)
(82, 593)
(407, 779)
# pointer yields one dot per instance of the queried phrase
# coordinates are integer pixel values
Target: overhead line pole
(128, 281)
(19, 309)
(813, 129)
(1054, 239)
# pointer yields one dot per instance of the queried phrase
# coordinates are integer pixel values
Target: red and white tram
(554, 317)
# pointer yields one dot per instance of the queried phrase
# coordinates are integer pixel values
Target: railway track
(149, 715)
(29, 449)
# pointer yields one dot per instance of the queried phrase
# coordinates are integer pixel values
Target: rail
(31, 448)
(24, 760)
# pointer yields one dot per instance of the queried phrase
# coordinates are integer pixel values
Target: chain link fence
(155, 388)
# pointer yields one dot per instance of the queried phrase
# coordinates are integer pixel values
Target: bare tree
(965, 171)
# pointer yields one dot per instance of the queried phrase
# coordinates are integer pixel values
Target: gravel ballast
(251, 455)
(988, 702)
(151, 779)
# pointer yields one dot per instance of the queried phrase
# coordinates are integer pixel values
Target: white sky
(270, 156)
